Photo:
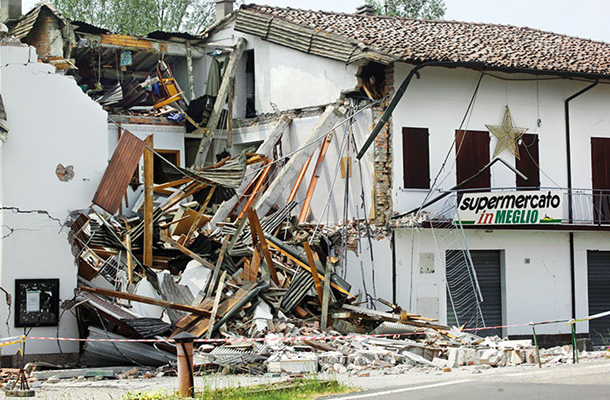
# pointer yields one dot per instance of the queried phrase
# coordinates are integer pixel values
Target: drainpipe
(570, 211)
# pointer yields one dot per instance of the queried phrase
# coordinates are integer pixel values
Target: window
(528, 164)
(416, 158)
(600, 160)
(160, 176)
(250, 85)
(472, 152)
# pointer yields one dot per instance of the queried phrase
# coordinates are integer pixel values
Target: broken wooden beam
(144, 299)
(186, 251)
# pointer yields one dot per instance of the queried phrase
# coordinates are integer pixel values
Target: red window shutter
(416, 158)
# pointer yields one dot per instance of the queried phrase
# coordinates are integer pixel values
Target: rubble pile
(193, 255)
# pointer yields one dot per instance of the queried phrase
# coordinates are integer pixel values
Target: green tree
(139, 17)
(422, 9)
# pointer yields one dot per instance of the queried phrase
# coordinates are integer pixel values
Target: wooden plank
(297, 183)
(126, 41)
(325, 123)
(206, 305)
(314, 179)
(266, 149)
(173, 183)
(114, 183)
(201, 327)
(221, 285)
(200, 215)
(230, 113)
(325, 298)
(314, 271)
(148, 201)
(257, 188)
(306, 267)
(221, 257)
(146, 300)
(223, 91)
(129, 260)
(252, 267)
(186, 251)
(257, 231)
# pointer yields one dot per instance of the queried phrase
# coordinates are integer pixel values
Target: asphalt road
(560, 382)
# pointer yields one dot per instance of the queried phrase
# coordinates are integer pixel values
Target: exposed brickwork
(46, 36)
(383, 159)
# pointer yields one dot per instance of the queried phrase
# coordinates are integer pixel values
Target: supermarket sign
(511, 208)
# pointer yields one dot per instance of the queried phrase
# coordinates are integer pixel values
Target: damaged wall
(286, 78)
(51, 122)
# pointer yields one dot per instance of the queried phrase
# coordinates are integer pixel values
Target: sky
(585, 18)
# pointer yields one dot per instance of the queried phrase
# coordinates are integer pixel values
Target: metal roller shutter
(488, 269)
(598, 267)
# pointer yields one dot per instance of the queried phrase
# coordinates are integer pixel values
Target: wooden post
(314, 179)
(299, 180)
(221, 286)
(189, 69)
(129, 260)
(314, 271)
(223, 92)
(326, 296)
(148, 200)
(257, 233)
(230, 114)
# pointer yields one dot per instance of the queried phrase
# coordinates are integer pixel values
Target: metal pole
(574, 348)
(536, 344)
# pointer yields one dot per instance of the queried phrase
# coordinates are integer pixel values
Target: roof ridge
(422, 20)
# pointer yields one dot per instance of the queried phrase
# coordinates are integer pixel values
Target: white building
(526, 272)
(48, 168)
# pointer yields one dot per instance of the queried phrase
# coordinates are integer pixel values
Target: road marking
(546, 371)
(409, 389)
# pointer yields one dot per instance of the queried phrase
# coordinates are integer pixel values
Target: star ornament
(508, 135)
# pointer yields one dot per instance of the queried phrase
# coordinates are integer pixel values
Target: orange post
(184, 350)
(314, 179)
(299, 180)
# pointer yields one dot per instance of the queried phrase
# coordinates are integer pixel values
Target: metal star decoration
(508, 135)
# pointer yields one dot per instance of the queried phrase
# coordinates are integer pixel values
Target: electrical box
(36, 302)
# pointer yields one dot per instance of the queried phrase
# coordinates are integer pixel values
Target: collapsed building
(267, 168)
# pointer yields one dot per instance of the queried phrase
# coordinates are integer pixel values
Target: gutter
(569, 173)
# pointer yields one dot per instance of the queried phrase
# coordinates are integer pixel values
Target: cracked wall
(50, 121)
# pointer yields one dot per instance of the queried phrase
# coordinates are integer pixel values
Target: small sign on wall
(37, 302)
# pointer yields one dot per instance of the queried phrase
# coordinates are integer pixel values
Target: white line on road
(546, 371)
(409, 389)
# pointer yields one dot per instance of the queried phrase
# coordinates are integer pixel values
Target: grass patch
(305, 389)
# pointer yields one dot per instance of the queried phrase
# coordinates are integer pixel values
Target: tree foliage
(139, 17)
(422, 9)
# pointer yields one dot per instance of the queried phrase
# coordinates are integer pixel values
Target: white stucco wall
(538, 291)
(298, 130)
(439, 100)
(51, 121)
(288, 78)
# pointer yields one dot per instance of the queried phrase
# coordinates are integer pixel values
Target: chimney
(223, 8)
(366, 9)
(11, 9)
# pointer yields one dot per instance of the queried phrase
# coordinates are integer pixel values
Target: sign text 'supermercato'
(511, 208)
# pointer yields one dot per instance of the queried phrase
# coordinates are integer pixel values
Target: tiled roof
(496, 46)
(25, 25)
